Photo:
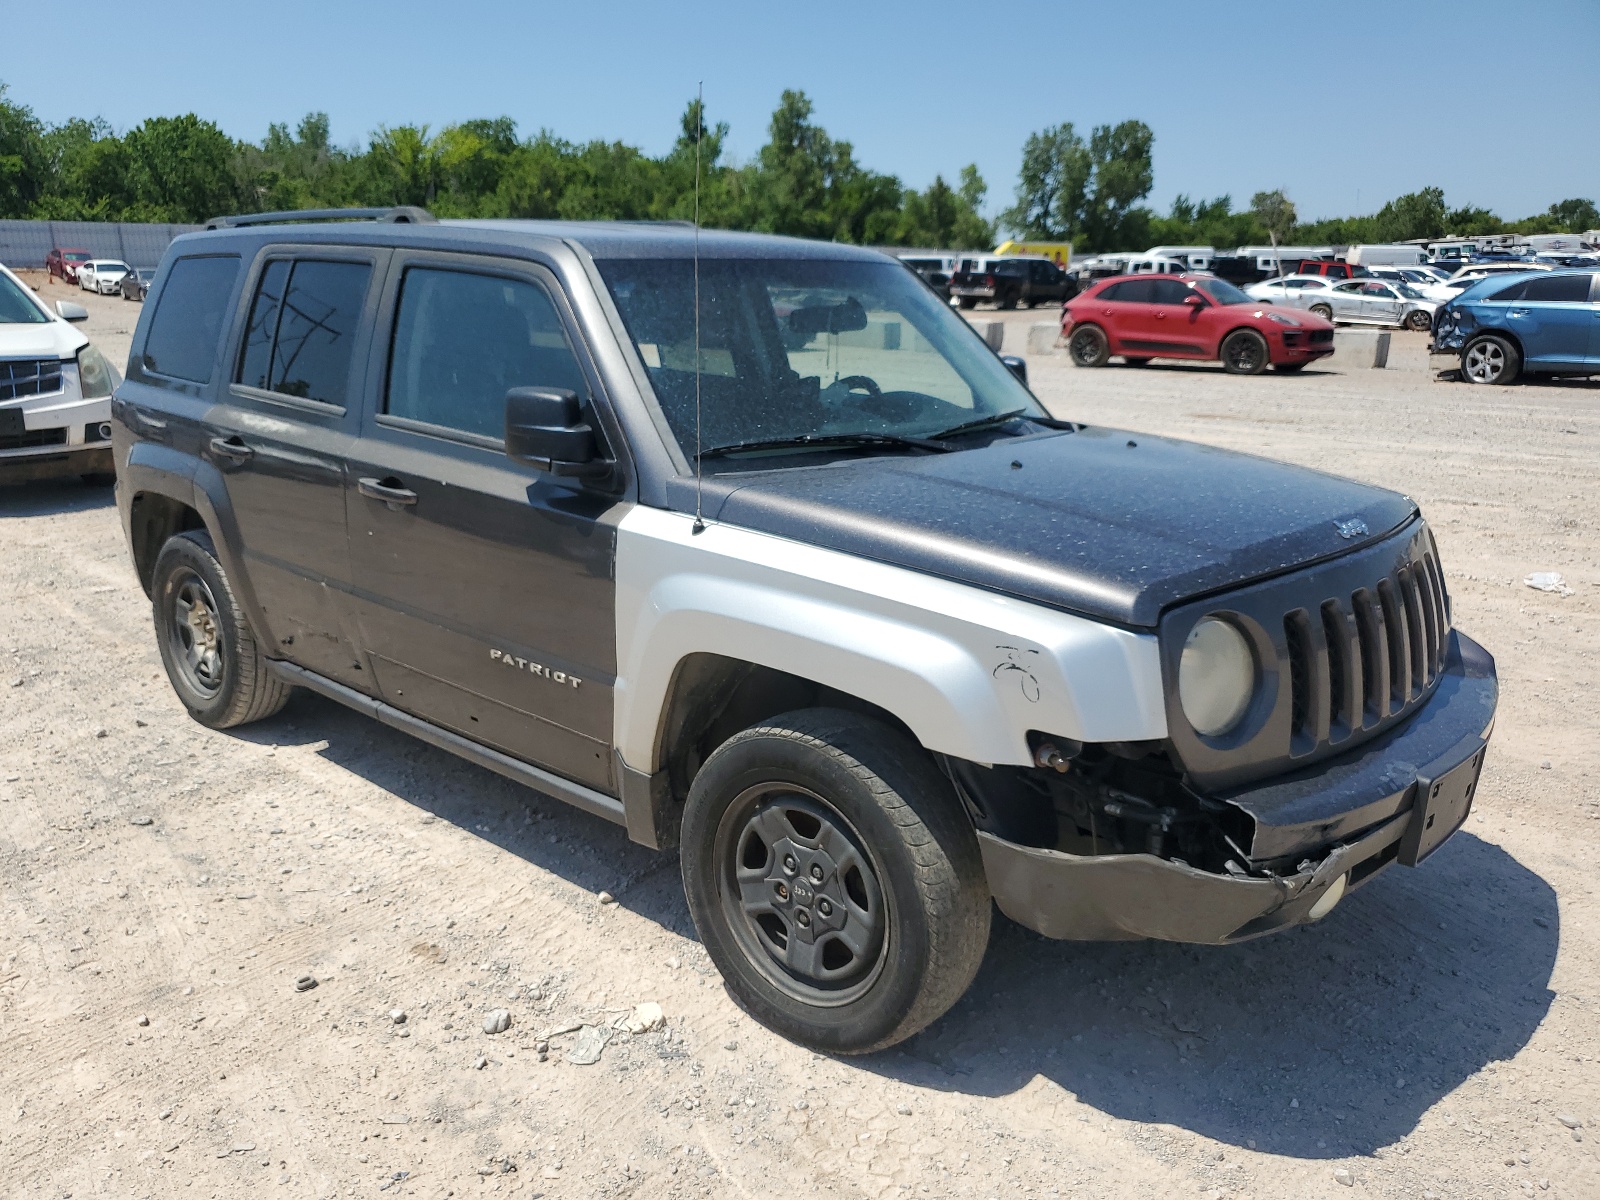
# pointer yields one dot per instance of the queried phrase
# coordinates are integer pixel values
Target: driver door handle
(231, 448)
(389, 490)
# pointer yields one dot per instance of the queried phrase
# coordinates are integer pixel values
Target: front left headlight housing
(1282, 320)
(96, 375)
(1216, 677)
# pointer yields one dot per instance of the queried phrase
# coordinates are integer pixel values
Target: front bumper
(58, 433)
(1349, 818)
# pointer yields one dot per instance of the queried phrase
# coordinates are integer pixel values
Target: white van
(1198, 257)
(1385, 256)
(1151, 264)
(1267, 258)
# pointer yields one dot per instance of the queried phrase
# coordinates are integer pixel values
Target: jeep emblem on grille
(1353, 528)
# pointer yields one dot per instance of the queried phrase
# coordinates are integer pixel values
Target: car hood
(53, 339)
(1113, 525)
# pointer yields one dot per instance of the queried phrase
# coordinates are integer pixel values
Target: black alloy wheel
(1088, 347)
(1244, 352)
(834, 879)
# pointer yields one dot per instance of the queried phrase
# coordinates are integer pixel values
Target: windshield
(75, 256)
(1223, 292)
(800, 348)
(16, 307)
(1409, 292)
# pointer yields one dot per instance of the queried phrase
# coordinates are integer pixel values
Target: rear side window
(1560, 289)
(1169, 291)
(302, 330)
(461, 341)
(1514, 292)
(188, 320)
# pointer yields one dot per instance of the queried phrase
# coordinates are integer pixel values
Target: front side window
(188, 320)
(462, 341)
(798, 348)
(15, 306)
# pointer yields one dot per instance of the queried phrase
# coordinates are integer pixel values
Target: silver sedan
(1378, 302)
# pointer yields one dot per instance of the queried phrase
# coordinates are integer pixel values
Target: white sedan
(1295, 291)
(102, 275)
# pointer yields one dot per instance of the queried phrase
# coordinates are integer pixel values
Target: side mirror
(68, 311)
(545, 427)
(1016, 366)
(1195, 300)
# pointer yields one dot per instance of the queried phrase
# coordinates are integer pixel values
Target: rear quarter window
(189, 318)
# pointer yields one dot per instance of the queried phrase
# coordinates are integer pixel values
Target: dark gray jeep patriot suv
(904, 646)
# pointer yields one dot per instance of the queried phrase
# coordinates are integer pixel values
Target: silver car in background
(1296, 291)
(1378, 302)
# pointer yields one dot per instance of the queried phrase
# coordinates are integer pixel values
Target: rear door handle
(232, 448)
(1519, 312)
(389, 490)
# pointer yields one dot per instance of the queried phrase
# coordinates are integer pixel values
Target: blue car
(1545, 322)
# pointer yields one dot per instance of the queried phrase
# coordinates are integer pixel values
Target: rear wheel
(1007, 302)
(207, 646)
(1325, 311)
(834, 879)
(1088, 346)
(968, 301)
(1490, 359)
(1244, 352)
(1420, 320)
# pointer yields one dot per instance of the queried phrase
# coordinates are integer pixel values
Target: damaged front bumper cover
(1408, 791)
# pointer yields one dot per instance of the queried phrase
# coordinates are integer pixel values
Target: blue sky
(1345, 104)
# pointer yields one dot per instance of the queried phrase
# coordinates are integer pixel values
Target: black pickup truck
(752, 546)
(1010, 282)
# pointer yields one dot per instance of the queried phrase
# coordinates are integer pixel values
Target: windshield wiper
(822, 440)
(1000, 419)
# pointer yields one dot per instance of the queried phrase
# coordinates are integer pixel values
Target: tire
(828, 819)
(1289, 368)
(211, 654)
(1135, 362)
(1325, 311)
(968, 301)
(1088, 347)
(1490, 359)
(1006, 303)
(1244, 352)
(1420, 321)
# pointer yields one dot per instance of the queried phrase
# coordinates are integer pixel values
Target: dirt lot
(162, 886)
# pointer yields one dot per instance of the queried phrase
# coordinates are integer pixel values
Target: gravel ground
(163, 886)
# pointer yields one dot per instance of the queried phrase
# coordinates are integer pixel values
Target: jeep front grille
(1344, 650)
(29, 377)
(1381, 648)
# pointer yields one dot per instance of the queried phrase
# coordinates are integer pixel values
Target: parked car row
(1369, 301)
(103, 276)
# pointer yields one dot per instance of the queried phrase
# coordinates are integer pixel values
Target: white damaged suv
(55, 390)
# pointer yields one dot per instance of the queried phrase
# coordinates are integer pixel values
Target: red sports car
(1141, 317)
(64, 263)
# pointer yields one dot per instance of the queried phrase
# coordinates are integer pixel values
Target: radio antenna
(699, 471)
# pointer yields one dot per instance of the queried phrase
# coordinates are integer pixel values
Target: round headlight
(1216, 677)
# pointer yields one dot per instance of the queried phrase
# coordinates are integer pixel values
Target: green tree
(1052, 186)
(403, 165)
(1414, 215)
(1275, 213)
(23, 166)
(1088, 192)
(181, 169)
(1575, 216)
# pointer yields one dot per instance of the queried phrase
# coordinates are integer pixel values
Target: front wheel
(834, 880)
(1088, 346)
(1325, 311)
(1244, 352)
(1490, 359)
(210, 652)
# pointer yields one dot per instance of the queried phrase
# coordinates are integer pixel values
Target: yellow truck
(1059, 253)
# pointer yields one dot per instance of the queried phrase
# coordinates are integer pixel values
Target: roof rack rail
(402, 214)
